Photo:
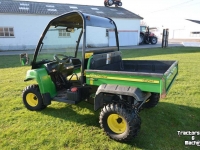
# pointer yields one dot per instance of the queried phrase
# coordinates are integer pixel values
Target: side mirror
(24, 59)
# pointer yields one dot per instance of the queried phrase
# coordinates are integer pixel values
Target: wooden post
(165, 37)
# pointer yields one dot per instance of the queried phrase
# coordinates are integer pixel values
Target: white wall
(181, 29)
(130, 25)
(184, 34)
(27, 30)
(126, 38)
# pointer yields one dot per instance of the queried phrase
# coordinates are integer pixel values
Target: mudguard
(135, 92)
(43, 79)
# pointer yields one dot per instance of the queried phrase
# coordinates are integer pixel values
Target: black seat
(107, 61)
(76, 63)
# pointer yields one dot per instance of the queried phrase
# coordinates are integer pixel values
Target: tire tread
(132, 119)
(34, 88)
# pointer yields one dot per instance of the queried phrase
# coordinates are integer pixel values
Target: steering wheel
(66, 60)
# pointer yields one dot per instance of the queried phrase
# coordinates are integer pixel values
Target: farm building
(22, 23)
(189, 30)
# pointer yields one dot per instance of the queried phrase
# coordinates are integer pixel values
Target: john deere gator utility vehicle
(74, 61)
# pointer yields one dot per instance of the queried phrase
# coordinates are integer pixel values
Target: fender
(135, 92)
(43, 79)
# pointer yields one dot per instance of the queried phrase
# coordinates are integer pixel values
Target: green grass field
(75, 127)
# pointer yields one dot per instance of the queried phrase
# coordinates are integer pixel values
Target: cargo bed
(148, 75)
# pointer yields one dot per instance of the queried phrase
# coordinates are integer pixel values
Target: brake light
(74, 89)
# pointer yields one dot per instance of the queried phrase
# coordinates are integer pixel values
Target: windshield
(65, 35)
(143, 29)
(59, 40)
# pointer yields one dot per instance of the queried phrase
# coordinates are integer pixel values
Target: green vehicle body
(43, 79)
(120, 87)
(149, 83)
(145, 83)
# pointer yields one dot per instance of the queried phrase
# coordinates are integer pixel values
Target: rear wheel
(152, 101)
(120, 4)
(118, 123)
(153, 40)
(110, 2)
(32, 98)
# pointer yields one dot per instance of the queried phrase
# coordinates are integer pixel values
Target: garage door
(126, 38)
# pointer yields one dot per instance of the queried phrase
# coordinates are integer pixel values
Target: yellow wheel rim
(32, 99)
(117, 123)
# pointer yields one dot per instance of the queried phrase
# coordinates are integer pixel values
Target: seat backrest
(106, 61)
(76, 62)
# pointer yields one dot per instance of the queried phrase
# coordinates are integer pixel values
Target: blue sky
(166, 13)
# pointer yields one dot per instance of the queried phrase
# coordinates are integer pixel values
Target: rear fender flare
(135, 92)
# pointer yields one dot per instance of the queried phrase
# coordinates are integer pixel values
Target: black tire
(105, 4)
(154, 40)
(141, 39)
(152, 101)
(110, 2)
(32, 98)
(118, 123)
(120, 4)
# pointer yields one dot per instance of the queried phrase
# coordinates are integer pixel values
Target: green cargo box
(148, 75)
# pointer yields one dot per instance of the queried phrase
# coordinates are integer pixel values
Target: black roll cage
(80, 20)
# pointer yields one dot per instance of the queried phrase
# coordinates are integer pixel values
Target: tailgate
(169, 77)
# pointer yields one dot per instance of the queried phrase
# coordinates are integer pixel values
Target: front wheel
(118, 123)
(32, 98)
(141, 39)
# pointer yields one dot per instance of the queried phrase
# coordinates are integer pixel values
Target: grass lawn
(61, 126)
